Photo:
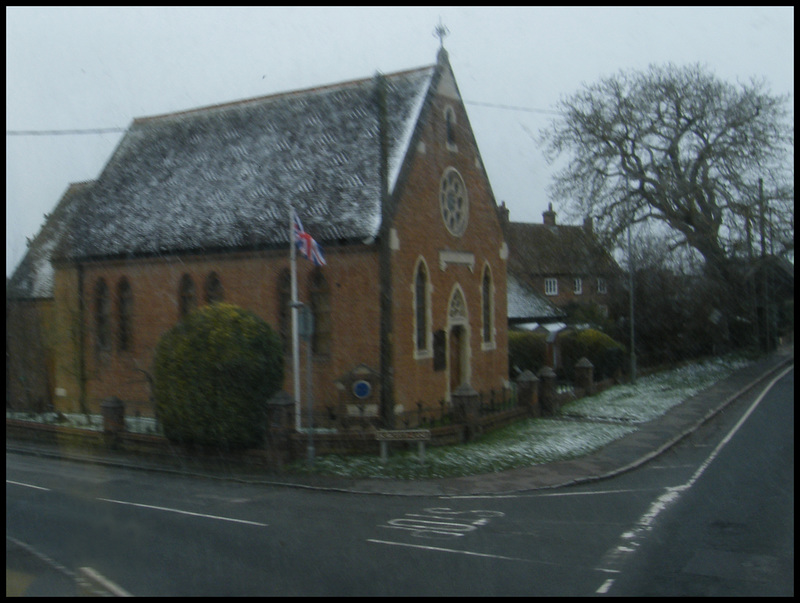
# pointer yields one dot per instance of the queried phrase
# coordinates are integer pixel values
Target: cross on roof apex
(440, 32)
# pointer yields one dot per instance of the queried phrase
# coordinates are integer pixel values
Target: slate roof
(540, 249)
(223, 177)
(33, 277)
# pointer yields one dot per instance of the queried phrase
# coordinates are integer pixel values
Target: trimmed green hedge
(213, 374)
(606, 355)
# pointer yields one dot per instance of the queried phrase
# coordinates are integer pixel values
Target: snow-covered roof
(224, 177)
(524, 305)
(33, 277)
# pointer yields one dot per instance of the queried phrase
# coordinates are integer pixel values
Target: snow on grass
(84, 421)
(525, 443)
(605, 417)
(652, 396)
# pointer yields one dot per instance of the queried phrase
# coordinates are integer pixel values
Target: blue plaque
(362, 389)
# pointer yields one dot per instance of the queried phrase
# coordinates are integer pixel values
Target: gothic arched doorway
(458, 351)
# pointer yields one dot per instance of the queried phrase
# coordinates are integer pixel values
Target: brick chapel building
(194, 207)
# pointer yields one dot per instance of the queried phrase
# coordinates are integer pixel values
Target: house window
(125, 309)
(102, 317)
(214, 291)
(450, 128)
(421, 306)
(601, 285)
(284, 310)
(487, 306)
(320, 295)
(187, 296)
(551, 286)
(577, 285)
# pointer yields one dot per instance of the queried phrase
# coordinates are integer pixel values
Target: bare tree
(678, 146)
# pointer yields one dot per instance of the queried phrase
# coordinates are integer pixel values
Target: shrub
(213, 374)
(526, 351)
(603, 352)
(606, 355)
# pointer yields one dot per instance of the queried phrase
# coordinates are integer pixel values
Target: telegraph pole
(630, 284)
(764, 266)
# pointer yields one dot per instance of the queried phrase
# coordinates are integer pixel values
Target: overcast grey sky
(85, 68)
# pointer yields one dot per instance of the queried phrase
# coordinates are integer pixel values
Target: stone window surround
(422, 352)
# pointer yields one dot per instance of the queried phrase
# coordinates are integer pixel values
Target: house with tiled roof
(30, 340)
(194, 207)
(563, 263)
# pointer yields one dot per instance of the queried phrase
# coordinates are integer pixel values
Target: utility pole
(765, 295)
(752, 294)
(630, 284)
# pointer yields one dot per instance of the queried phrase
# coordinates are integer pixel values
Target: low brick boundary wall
(284, 445)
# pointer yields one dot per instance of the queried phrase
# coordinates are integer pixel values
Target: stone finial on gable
(441, 32)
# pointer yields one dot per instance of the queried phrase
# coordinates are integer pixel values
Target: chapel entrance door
(458, 353)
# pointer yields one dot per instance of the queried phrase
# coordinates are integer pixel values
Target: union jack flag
(306, 243)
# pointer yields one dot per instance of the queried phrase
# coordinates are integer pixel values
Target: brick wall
(249, 281)
(421, 232)
(29, 359)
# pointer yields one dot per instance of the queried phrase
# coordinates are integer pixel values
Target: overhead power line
(63, 132)
(512, 108)
(118, 130)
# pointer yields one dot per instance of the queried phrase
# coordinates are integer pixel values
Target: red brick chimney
(549, 216)
(503, 212)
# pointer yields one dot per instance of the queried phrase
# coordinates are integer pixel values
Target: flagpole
(295, 309)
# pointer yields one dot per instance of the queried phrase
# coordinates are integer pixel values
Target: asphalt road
(713, 515)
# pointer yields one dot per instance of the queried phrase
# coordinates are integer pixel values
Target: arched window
(487, 303)
(125, 311)
(284, 311)
(421, 308)
(213, 289)
(187, 296)
(320, 295)
(450, 127)
(102, 318)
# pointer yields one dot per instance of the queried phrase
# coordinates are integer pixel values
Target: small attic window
(450, 128)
